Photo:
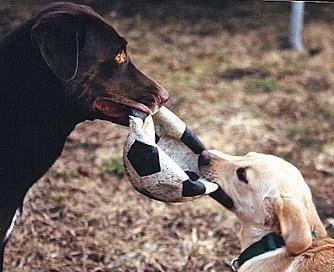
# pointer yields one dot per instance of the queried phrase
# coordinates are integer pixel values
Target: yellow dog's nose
(204, 158)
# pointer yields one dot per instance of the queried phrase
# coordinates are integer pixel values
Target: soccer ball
(160, 158)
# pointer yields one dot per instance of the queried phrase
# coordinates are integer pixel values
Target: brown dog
(281, 230)
(61, 67)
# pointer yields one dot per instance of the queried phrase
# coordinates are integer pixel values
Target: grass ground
(232, 83)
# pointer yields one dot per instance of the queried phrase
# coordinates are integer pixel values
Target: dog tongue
(110, 108)
(120, 107)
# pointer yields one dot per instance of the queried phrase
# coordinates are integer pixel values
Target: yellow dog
(281, 230)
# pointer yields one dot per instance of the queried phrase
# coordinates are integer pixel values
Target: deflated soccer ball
(161, 158)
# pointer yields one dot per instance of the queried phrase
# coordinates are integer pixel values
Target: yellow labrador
(281, 230)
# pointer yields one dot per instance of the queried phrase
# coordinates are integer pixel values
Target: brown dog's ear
(57, 37)
(294, 226)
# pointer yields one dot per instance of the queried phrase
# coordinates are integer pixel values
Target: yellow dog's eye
(121, 57)
(241, 174)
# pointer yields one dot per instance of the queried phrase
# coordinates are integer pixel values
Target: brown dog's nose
(204, 158)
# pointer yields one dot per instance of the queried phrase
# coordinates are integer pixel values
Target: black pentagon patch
(144, 158)
(191, 140)
(192, 188)
(192, 175)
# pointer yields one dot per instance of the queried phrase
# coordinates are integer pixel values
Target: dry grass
(233, 85)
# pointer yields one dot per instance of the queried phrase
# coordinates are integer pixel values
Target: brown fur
(63, 66)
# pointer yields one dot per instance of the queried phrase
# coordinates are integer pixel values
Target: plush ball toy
(161, 158)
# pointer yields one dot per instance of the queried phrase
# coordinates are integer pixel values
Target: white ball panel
(167, 123)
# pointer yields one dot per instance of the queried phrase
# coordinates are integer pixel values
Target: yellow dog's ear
(294, 226)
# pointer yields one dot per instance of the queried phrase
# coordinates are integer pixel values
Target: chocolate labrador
(63, 66)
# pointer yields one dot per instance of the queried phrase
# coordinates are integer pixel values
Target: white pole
(296, 25)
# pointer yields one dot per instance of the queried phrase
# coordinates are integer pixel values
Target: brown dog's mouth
(118, 109)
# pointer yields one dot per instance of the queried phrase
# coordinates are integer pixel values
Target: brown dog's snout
(204, 158)
(147, 90)
(163, 95)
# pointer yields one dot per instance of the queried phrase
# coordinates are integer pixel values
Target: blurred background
(233, 80)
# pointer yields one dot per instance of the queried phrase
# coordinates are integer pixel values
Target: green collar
(268, 242)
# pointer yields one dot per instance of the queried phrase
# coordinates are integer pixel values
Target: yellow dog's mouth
(204, 162)
(220, 196)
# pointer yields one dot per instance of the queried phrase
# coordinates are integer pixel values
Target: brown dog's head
(90, 57)
(269, 195)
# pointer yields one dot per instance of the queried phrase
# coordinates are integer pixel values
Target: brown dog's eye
(121, 57)
(241, 174)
